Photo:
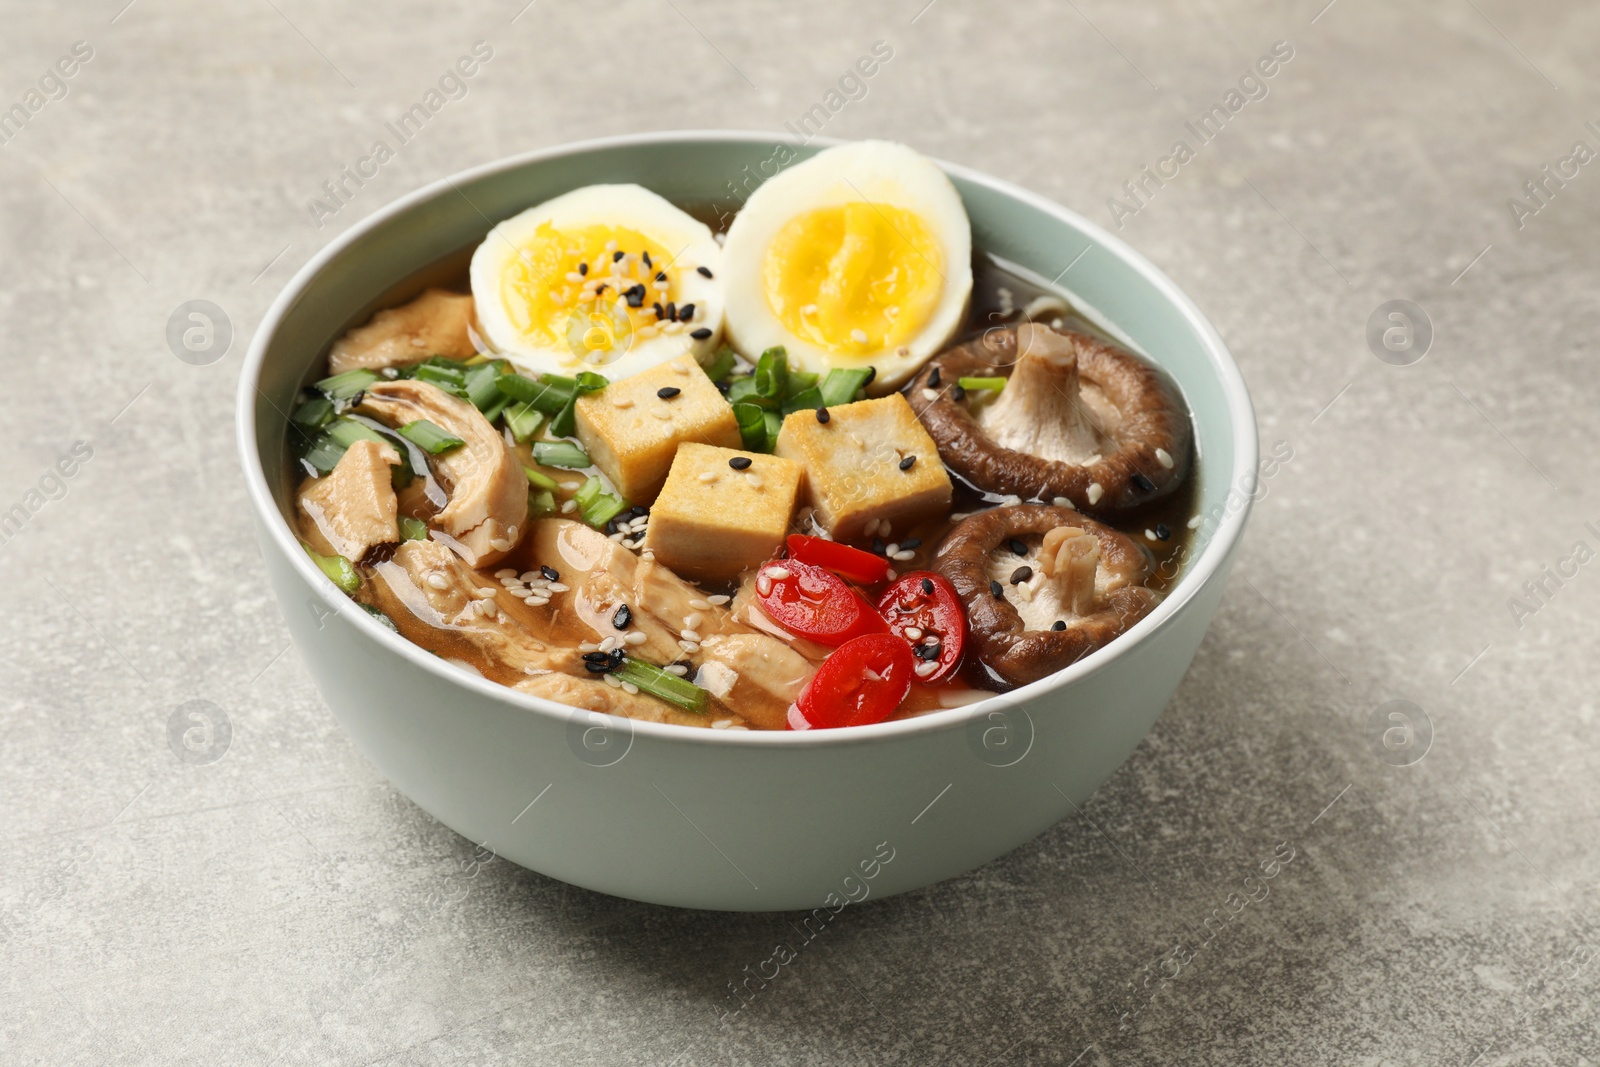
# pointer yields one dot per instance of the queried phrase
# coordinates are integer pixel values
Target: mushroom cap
(1006, 651)
(1085, 413)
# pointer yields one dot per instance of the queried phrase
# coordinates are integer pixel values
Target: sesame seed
(957, 393)
(583, 268)
(438, 581)
(690, 635)
(907, 463)
(667, 392)
(927, 585)
(777, 573)
(680, 670)
(690, 647)
(505, 572)
(1150, 534)
(1021, 574)
(754, 479)
(617, 256)
(858, 336)
(622, 618)
(930, 394)
(903, 555)
(1144, 484)
(997, 590)
(718, 600)
(607, 644)
(934, 378)
(692, 620)
(550, 573)
(1063, 502)
(611, 246)
(681, 366)
(1195, 522)
(622, 402)
(701, 604)
(663, 414)
(1095, 493)
(628, 687)
(701, 334)
(1058, 625)
(500, 544)
(823, 416)
(704, 272)
(1162, 532)
(763, 584)
(1164, 458)
(612, 681)
(708, 476)
(914, 633)
(574, 276)
(558, 587)
(925, 668)
(644, 257)
(635, 637)
(739, 463)
(686, 313)
(568, 507)
(1017, 547)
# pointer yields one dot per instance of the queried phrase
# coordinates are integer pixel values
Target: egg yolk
(854, 278)
(591, 289)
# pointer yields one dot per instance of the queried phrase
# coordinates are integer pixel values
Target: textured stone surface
(284, 906)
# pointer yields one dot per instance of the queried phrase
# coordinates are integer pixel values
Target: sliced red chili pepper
(852, 563)
(862, 682)
(924, 609)
(814, 603)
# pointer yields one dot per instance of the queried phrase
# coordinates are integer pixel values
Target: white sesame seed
(484, 593)
(1151, 535)
(718, 600)
(926, 667)
(858, 336)
(914, 632)
(957, 516)
(622, 401)
(701, 604)
(438, 581)
(588, 646)
(534, 601)
(611, 246)
(574, 277)
(676, 668)
(753, 478)
(607, 644)
(568, 507)
(930, 394)
(558, 587)
(1164, 458)
(708, 476)
(692, 620)
(690, 635)
(662, 413)
(1010, 501)
(681, 366)
(612, 681)
(903, 555)
(1194, 523)
(617, 537)
(776, 573)
(689, 646)
(1061, 502)
(763, 585)
(505, 572)
(489, 608)
(635, 637)
(629, 687)
(1095, 493)
(722, 724)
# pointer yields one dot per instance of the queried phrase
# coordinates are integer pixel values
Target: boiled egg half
(860, 255)
(609, 278)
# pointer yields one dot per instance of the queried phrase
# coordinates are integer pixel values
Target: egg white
(880, 172)
(688, 241)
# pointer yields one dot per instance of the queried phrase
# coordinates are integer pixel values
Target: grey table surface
(1429, 541)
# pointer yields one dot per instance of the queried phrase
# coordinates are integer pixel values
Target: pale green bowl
(713, 818)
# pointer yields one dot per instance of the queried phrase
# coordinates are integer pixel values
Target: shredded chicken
(353, 508)
(437, 323)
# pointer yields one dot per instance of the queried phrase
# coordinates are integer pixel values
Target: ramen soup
(825, 467)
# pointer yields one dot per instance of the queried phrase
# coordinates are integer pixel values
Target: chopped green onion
(799, 382)
(560, 454)
(805, 400)
(429, 437)
(537, 480)
(481, 388)
(662, 684)
(541, 504)
(982, 383)
(752, 422)
(338, 569)
(549, 394)
(590, 382)
(772, 372)
(721, 364)
(743, 390)
(346, 385)
(565, 423)
(314, 414)
(452, 380)
(597, 504)
(328, 447)
(413, 529)
(523, 420)
(381, 617)
(774, 424)
(841, 386)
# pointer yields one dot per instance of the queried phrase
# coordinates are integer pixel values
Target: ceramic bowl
(714, 818)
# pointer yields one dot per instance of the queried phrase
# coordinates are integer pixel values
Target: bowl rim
(1203, 567)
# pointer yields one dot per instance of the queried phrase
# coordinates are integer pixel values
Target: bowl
(749, 821)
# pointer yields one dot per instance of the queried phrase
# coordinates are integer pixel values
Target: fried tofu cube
(632, 432)
(712, 520)
(871, 462)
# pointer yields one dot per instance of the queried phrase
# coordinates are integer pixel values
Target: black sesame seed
(934, 379)
(667, 392)
(661, 275)
(672, 311)
(583, 268)
(1162, 532)
(356, 400)
(872, 372)
(926, 652)
(911, 542)
(1021, 574)
(878, 546)
(998, 590)
(1143, 483)
(704, 272)
(686, 313)
(927, 585)
(616, 257)
(595, 657)
(660, 312)
(616, 656)
(739, 463)
(905, 464)
(550, 573)
(623, 617)
(957, 393)
(644, 257)
(638, 511)
(1017, 547)
(600, 667)
(1058, 625)
(600, 289)
(701, 334)
(822, 415)
(611, 526)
